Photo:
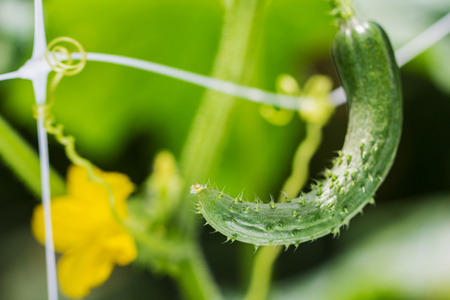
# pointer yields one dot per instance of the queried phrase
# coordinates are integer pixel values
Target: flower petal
(81, 270)
(81, 187)
(86, 231)
(121, 248)
(73, 224)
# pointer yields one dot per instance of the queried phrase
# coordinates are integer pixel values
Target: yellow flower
(86, 232)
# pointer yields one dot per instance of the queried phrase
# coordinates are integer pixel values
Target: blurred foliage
(404, 256)
(122, 117)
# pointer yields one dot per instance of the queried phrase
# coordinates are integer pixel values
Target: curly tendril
(60, 59)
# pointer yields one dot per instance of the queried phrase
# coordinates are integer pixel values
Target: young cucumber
(366, 65)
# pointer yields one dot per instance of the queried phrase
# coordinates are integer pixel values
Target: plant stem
(342, 9)
(192, 274)
(300, 164)
(261, 275)
(265, 258)
(210, 126)
(195, 279)
(24, 162)
(209, 130)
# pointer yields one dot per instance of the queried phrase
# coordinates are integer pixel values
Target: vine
(62, 62)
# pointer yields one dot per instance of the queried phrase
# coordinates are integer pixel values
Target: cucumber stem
(342, 9)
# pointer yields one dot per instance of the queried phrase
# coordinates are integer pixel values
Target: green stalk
(210, 127)
(195, 279)
(261, 275)
(342, 9)
(300, 164)
(24, 162)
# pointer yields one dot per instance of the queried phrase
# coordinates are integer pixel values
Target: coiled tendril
(60, 59)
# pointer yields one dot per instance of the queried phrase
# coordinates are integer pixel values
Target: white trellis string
(423, 41)
(39, 76)
(10, 75)
(37, 70)
(226, 87)
(406, 53)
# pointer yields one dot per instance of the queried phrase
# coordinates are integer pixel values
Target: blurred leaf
(439, 64)
(406, 258)
(15, 32)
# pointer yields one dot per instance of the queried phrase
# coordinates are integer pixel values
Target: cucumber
(369, 74)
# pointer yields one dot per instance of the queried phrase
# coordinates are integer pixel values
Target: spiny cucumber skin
(368, 72)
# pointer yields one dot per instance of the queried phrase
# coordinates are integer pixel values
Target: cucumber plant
(369, 74)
